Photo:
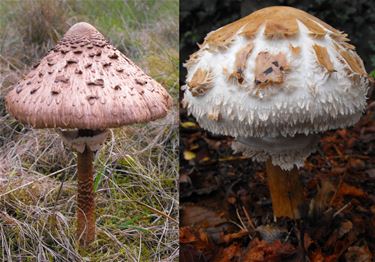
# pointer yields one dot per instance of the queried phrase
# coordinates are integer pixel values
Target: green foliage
(98, 178)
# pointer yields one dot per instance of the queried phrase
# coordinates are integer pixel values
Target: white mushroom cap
(277, 72)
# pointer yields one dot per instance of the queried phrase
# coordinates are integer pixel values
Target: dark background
(354, 17)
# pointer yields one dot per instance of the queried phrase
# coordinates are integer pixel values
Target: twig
(236, 224)
(140, 247)
(248, 218)
(337, 189)
(156, 211)
(288, 235)
(41, 154)
(244, 228)
(341, 209)
(59, 193)
(9, 63)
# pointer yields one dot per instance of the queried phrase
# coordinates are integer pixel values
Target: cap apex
(81, 28)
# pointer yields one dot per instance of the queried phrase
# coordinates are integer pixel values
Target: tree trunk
(85, 198)
(286, 191)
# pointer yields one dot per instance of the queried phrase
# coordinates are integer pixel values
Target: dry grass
(136, 170)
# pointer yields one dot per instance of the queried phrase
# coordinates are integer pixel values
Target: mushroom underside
(79, 139)
(285, 152)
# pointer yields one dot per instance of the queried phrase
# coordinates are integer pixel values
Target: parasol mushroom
(83, 87)
(274, 80)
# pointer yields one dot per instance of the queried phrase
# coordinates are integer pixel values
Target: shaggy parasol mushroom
(83, 87)
(273, 80)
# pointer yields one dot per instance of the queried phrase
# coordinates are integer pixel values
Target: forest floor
(226, 212)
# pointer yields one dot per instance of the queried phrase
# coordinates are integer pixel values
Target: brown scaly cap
(280, 22)
(86, 83)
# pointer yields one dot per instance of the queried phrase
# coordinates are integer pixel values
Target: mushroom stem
(85, 198)
(286, 191)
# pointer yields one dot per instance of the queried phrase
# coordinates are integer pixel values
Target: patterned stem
(85, 198)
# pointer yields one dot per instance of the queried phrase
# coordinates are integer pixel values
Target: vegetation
(136, 169)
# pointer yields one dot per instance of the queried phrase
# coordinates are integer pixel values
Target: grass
(136, 170)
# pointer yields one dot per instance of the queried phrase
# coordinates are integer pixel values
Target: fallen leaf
(194, 237)
(343, 133)
(188, 155)
(338, 170)
(200, 216)
(345, 227)
(358, 254)
(307, 241)
(260, 250)
(229, 253)
(189, 124)
(317, 256)
(187, 235)
(372, 209)
(271, 233)
(349, 190)
(357, 164)
(323, 197)
(189, 253)
(351, 142)
(331, 258)
(230, 237)
(371, 172)
(185, 179)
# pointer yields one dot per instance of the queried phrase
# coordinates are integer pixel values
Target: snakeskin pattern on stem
(85, 198)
